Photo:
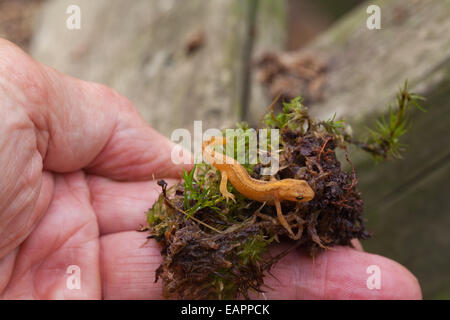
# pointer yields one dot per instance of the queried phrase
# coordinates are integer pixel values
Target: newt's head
(295, 190)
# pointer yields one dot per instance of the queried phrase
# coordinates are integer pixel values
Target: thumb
(86, 125)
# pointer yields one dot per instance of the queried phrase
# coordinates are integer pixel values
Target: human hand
(339, 273)
(77, 161)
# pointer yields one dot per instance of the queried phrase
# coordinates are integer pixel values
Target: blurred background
(222, 61)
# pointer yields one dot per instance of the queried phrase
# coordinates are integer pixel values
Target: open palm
(78, 167)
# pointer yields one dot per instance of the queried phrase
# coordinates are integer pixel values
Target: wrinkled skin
(77, 177)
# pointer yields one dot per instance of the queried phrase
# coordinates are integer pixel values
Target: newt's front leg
(281, 218)
(223, 187)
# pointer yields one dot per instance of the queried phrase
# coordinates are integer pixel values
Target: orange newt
(271, 192)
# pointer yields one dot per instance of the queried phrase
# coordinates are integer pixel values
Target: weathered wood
(407, 203)
(367, 66)
(139, 48)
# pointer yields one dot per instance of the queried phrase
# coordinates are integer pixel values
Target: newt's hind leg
(223, 187)
(281, 218)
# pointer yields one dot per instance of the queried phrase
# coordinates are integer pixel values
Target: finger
(341, 273)
(80, 124)
(20, 217)
(25, 190)
(122, 206)
(67, 235)
(128, 266)
(7, 268)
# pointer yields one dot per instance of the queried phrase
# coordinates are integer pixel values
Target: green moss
(384, 138)
(217, 249)
(253, 248)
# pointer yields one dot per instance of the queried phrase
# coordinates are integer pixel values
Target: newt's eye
(299, 198)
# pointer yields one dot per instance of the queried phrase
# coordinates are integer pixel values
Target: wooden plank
(406, 201)
(139, 48)
(367, 66)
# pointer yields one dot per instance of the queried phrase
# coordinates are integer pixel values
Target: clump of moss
(218, 250)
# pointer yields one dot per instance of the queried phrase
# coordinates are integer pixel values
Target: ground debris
(289, 73)
(217, 250)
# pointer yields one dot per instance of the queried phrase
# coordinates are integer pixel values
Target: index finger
(340, 273)
(86, 125)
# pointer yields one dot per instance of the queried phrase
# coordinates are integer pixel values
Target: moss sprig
(384, 138)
